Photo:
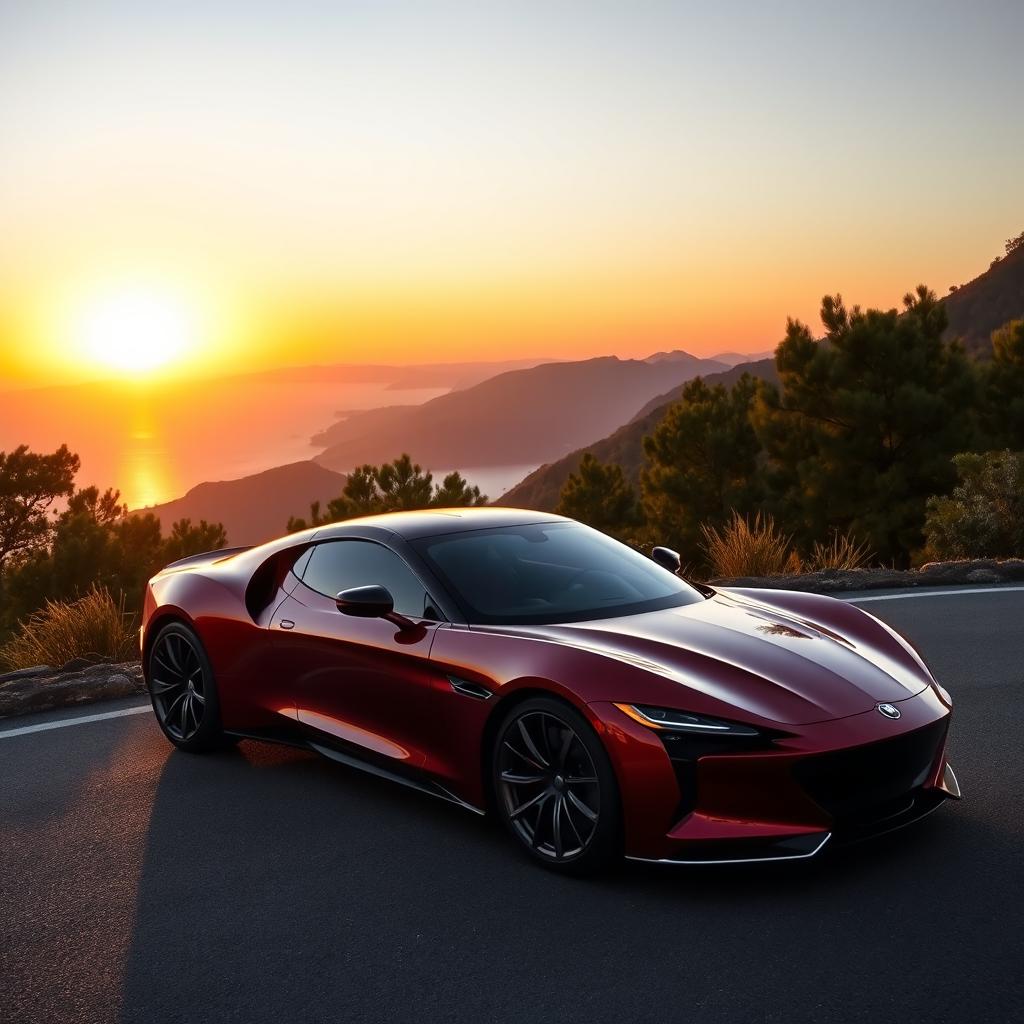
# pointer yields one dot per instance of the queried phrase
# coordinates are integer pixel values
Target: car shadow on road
(278, 885)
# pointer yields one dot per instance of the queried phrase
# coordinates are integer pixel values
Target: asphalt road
(138, 883)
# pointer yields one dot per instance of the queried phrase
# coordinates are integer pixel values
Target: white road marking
(933, 593)
(63, 723)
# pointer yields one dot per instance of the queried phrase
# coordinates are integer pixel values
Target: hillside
(542, 488)
(977, 308)
(523, 416)
(254, 508)
(762, 368)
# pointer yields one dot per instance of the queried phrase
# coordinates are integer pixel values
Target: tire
(554, 787)
(183, 690)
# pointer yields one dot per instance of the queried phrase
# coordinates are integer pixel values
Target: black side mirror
(667, 559)
(373, 602)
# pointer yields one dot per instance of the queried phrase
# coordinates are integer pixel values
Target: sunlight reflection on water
(154, 442)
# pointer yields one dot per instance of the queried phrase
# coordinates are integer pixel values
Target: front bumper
(828, 783)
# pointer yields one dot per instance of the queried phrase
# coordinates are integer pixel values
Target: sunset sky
(207, 185)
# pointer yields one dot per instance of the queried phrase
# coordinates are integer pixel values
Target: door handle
(287, 624)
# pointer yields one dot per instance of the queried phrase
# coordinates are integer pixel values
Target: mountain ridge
(253, 508)
(520, 416)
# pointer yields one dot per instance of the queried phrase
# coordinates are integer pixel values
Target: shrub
(744, 548)
(984, 516)
(94, 627)
(841, 552)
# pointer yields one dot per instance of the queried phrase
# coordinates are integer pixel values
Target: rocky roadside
(44, 687)
(934, 574)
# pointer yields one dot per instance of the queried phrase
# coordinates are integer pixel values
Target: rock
(983, 576)
(75, 664)
(831, 581)
(27, 673)
(1012, 569)
(56, 689)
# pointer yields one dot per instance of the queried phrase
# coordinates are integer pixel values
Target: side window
(341, 564)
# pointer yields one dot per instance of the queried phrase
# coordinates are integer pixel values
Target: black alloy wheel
(183, 690)
(554, 786)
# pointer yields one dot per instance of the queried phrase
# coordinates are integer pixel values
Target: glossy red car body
(809, 672)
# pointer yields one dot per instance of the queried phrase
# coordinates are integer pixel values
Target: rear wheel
(555, 788)
(183, 690)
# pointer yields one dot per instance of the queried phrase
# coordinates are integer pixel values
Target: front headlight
(682, 721)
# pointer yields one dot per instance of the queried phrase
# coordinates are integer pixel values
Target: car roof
(436, 521)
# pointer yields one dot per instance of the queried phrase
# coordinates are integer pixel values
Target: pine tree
(865, 422)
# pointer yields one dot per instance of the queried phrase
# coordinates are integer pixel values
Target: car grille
(858, 784)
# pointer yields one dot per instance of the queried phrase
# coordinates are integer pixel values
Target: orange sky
(220, 186)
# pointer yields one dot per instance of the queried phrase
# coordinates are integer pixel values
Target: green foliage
(29, 485)
(865, 422)
(94, 627)
(984, 515)
(94, 542)
(701, 463)
(743, 547)
(186, 539)
(395, 486)
(1003, 376)
(599, 495)
(456, 492)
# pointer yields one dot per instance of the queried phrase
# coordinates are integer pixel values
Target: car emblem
(889, 710)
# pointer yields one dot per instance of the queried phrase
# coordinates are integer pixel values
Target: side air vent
(468, 689)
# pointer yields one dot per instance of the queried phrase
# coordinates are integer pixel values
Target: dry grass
(94, 627)
(841, 552)
(744, 548)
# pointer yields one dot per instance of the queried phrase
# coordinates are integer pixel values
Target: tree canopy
(29, 485)
(93, 541)
(599, 494)
(864, 424)
(397, 486)
(1003, 377)
(701, 463)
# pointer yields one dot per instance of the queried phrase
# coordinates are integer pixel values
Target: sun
(136, 329)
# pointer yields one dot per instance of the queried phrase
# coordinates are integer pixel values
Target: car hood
(755, 656)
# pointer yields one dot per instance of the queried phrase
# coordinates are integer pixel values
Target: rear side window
(343, 564)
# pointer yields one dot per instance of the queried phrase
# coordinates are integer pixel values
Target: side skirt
(421, 783)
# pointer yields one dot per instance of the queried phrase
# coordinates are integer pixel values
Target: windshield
(549, 572)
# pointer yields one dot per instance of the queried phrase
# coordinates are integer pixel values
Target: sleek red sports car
(525, 664)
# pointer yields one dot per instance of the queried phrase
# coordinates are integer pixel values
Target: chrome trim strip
(953, 785)
(469, 689)
(735, 860)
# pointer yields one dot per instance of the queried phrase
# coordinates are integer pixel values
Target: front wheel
(183, 690)
(555, 788)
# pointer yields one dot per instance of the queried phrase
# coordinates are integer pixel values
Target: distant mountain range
(975, 310)
(735, 358)
(522, 416)
(398, 378)
(552, 412)
(542, 488)
(254, 508)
